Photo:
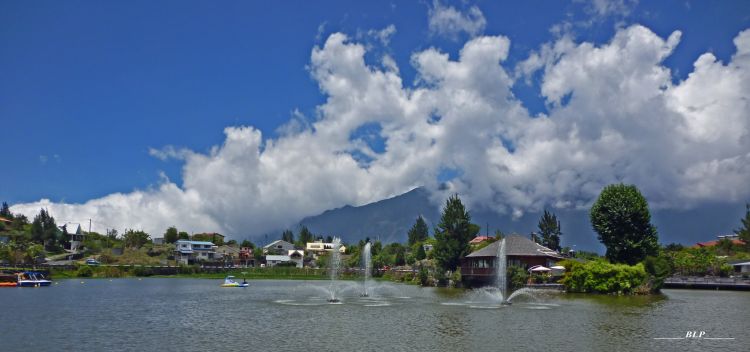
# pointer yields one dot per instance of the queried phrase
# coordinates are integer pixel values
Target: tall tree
(622, 219)
(171, 235)
(453, 234)
(305, 236)
(549, 229)
(44, 230)
(418, 232)
(182, 235)
(5, 212)
(744, 231)
(288, 236)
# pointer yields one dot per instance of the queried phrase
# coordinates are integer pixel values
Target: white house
(73, 231)
(278, 246)
(741, 266)
(320, 247)
(189, 252)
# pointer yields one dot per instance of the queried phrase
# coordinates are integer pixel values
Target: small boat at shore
(229, 282)
(33, 279)
(8, 280)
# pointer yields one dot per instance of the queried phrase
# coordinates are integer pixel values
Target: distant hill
(390, 219)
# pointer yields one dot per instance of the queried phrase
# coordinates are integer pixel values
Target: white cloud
(615, 115)
(384, 35)
(450, 22)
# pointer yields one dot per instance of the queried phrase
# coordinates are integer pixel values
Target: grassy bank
(280, 273)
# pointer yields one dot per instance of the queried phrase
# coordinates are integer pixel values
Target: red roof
(716, 242)
(480, 239)
(4, 219)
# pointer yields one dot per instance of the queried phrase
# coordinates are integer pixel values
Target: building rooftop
(480, 239)
(716, 242)
(516, 245)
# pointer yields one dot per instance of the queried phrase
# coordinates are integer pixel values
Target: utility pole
(89, 225)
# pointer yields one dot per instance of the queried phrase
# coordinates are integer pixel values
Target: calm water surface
(197, 315)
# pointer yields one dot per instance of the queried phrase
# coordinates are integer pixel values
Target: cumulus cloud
(614, 116)
(450, 22)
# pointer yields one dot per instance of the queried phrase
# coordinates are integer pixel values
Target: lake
(170, 314)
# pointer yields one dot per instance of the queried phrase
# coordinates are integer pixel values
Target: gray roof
(516, 245)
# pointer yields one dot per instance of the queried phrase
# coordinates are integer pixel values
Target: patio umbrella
(539, 268)
(557, 267)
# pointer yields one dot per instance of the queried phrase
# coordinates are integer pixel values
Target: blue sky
(88, 89)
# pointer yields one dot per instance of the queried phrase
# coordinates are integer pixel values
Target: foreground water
(197, 315)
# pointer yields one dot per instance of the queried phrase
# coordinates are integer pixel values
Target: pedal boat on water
(229, 282)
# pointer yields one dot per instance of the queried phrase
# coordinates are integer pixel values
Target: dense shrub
(84, 271)
(517, 277)
(658, 269)
(142, 271)
(423, 276)
(602, 277)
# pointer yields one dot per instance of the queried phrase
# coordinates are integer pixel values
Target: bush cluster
(599, 276)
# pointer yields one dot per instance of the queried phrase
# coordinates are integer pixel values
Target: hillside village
(43, 242)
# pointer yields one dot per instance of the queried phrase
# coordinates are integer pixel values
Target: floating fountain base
(334, 300)
(364, 295)
(505, 303)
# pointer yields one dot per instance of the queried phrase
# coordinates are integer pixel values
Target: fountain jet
(367, 266)
(501, 272)
(334, 266)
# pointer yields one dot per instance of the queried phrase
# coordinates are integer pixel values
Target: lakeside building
(76, 235)
(319, 247)
(741, 266)
(733, 237)
(278, 247)
(478, 268)
(294, 256)
(246, 257)
(189, 252)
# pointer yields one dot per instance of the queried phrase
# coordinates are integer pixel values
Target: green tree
(622, 219)
(453, 234)
(34, 253)
(418, 232)
(247, 244)
(288, 236)
(183, 235)
(744, 231)
(44, 230)
(5, 212)
(135, 239)
(112, 234)
(420, 253)
(549, 229)
(19, 222)
(171, 235)
(305, 236)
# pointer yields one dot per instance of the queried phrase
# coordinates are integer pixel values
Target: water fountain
(367, 266)
(334, 266)
(501, 272)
